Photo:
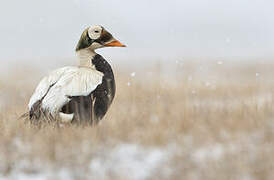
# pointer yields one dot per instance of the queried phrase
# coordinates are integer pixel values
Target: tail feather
(25, 115)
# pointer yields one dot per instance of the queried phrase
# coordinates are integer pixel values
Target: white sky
(155, 28)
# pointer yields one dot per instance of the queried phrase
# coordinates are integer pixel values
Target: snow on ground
(129, 160)
(135, 161)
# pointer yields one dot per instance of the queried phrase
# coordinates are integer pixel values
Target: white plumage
(55, 89)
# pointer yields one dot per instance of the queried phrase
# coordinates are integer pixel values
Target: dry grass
(203, 120)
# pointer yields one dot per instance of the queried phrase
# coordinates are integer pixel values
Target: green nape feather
(84, 41)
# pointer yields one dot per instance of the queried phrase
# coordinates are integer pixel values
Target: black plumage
(92, 108)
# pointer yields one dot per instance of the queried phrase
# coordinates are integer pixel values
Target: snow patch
(214, 152)
(128, 161)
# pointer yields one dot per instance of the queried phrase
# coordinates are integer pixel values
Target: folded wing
(56, 89)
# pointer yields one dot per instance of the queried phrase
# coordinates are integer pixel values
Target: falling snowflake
(189, 78)
(257, 74)
(128, 83)
(220, 62)
(41, 20)
(179, 63)
(207, 84)
(132, 74)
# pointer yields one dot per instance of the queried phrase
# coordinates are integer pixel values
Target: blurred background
(194, 99)
(32, 30)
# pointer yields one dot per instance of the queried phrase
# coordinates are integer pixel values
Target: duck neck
(85, 57)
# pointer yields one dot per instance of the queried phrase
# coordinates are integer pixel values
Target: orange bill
(115, 43)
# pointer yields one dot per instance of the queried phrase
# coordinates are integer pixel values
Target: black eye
(96, 31)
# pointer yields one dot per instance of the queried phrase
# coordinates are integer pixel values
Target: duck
(78, 94)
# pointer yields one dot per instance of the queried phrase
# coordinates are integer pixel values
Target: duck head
(96, 37)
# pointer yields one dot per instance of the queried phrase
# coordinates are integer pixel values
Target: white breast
(55, 89)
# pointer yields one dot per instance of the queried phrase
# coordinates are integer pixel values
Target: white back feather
(65, 82)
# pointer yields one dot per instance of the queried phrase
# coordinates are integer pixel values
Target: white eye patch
(94, 32)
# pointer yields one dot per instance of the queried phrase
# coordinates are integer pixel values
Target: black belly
(81, 107)
(92, 108)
